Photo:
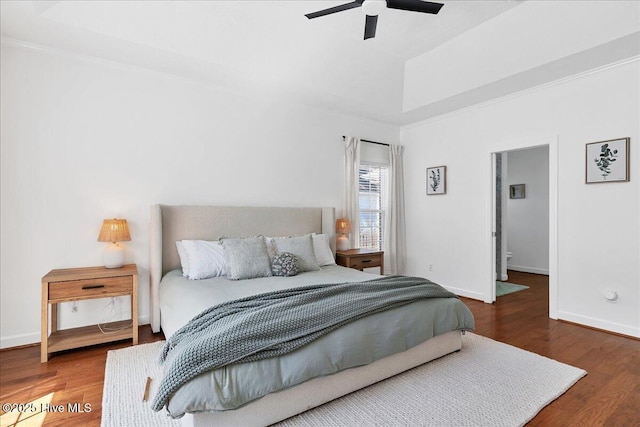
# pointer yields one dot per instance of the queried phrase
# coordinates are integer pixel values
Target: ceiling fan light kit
(373, 8)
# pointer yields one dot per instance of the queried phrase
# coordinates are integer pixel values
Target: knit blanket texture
(276, 323)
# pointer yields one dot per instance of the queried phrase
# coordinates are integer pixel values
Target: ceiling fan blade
(370, 27)
(335, 9)
(415, 6)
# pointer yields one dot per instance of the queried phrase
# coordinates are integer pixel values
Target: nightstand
(361, 259)
(76, 284)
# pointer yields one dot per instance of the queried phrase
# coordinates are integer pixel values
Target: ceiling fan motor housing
(374, 7)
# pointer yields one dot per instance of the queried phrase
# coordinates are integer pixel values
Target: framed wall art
(516, 191)
(607, 161)
(436, 180)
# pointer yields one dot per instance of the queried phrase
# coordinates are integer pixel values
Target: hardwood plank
(609, 394)
(626, 413)
(603, 403)
(73, 376)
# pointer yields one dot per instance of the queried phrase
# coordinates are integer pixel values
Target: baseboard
(526, 269)
(19, 340)
(465, 293)
(605, 325)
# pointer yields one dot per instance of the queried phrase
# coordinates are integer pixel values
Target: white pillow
(184, 260)
(206, 259)
(271, 246)
(322, 249)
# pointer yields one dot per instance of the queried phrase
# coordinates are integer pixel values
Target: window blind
(372, 188)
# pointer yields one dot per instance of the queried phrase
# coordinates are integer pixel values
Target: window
(372, 184)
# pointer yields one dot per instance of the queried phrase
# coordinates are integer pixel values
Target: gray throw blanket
(276, 323)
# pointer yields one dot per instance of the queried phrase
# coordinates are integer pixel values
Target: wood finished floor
(608, 396)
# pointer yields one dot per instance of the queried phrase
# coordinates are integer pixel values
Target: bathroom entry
(527, 210)
(522, 238)
(522, 217)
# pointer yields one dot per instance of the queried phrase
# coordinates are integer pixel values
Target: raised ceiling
(266, 48)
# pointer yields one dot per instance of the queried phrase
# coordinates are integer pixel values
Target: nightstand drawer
(365, 262)
(361, 259)
(90, 288)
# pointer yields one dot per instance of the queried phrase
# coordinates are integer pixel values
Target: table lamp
(343, 227)
(114, 231)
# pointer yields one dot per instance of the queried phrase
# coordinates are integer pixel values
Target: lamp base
(342, 243)
(113, 256)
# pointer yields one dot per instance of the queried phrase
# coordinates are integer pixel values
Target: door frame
(512, 145)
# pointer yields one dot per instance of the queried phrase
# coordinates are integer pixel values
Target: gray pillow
(301, 247)
(246, 258)
(284, 264)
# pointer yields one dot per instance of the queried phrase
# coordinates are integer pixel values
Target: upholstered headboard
(172, 223)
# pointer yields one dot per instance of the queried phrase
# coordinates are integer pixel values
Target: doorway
(552, 144)
(522, 219)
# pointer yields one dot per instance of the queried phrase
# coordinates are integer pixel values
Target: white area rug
(487, 383)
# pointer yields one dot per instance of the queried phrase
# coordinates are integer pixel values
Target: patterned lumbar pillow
(285, 264)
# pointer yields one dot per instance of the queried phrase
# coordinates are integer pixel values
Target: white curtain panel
(351, 190)
(395, 243)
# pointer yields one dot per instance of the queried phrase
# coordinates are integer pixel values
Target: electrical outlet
(430, 267)
(74, 307)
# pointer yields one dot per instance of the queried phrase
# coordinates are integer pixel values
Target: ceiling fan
(372, 8)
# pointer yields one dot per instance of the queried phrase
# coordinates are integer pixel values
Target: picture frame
(607, 161)
(517, 191)
(436, 180)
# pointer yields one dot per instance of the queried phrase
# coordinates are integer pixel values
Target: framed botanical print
(607, 161)
(436, 180)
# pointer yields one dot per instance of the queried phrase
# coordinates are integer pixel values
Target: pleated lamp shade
(114, 231)
(343, 225)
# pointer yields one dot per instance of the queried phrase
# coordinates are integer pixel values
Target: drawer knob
(366, 260)
(92, 287)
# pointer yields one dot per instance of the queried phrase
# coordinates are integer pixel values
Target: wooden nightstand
(361, 259)
(75, 284)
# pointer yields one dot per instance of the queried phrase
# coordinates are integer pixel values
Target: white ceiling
(268, 47)
(263, 47)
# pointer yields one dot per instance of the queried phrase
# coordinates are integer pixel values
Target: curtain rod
(370, 142)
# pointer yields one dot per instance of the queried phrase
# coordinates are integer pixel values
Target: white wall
(527, 219)
(450, 232)
(85, 139)
(500, 48)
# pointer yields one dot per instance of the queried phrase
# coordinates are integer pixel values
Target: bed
(174, 302)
